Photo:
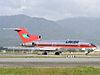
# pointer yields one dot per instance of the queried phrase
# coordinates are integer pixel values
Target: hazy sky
(51, 9)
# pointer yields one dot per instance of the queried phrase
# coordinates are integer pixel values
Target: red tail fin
(25, 36)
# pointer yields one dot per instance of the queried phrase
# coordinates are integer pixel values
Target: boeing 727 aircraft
(58, 46)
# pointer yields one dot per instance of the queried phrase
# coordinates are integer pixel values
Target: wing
(32, 48)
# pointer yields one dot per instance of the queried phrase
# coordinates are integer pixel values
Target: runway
(49, 62)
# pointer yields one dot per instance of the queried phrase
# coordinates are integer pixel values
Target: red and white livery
(52, 45)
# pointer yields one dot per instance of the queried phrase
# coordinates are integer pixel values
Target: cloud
(88, 7)
(51, 9)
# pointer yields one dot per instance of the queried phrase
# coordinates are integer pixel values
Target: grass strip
(50, 71)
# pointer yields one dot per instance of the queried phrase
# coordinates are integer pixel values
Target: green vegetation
(50, 71)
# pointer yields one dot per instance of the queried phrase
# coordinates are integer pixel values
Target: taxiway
(49, 62)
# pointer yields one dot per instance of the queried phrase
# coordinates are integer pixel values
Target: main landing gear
(56, 53)
(45, 53)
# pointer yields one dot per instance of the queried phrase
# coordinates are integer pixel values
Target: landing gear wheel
(45, 53)
(57, 53)
(87, 52)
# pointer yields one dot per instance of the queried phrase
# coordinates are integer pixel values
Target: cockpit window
(92, 44)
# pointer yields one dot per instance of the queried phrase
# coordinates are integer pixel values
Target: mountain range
(82, 28)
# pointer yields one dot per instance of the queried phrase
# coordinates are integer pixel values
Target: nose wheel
(87, 52)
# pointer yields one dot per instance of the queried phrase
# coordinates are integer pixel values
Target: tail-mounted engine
(32, 44)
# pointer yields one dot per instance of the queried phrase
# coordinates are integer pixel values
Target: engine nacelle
(31, 44)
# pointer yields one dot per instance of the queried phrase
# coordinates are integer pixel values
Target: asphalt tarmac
(49, 62)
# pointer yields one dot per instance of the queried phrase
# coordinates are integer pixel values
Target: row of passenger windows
(72, 41)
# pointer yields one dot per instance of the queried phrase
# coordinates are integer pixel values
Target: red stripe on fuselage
(64, 46)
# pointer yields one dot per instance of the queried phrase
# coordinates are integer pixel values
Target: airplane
(58, 46)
